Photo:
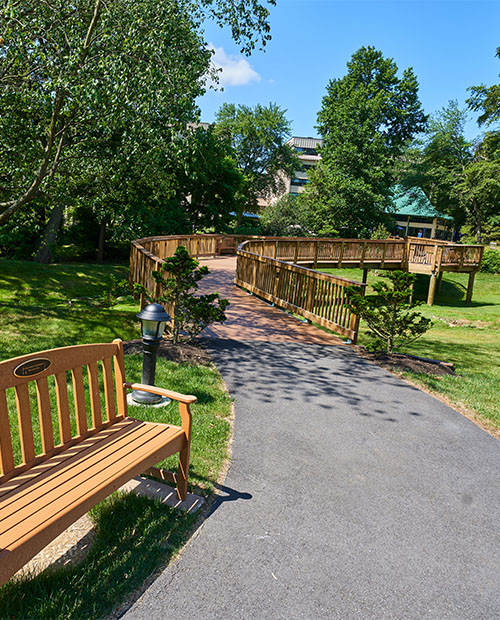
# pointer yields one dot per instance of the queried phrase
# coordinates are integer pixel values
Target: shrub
(491, 261)
(190, 313)
(380, 232)
(388, 313)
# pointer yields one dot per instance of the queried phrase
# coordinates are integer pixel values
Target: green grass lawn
(35, 313)
(135, 536)
(467, 335)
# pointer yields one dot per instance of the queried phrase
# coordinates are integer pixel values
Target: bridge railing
(431, 254)
(275, 267)
(318, 297)
(338, 251)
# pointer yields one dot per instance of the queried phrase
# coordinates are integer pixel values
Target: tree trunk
(239, 218)
(477, 217)
(49, 235)
(102, 238)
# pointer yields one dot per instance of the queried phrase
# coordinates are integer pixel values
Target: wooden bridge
(284, 271)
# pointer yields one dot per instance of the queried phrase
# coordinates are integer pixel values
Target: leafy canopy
(258, 136)
(486, 99)
(366, 118)
(68, 71)
(461, 178)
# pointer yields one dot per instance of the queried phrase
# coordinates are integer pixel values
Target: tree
(208, 183)
(365, 120)
(70, 70)
(388, 314)
(486, 99)
(446, 154)
(288, 217)
(259, 138)
(460, 177)
(479, 191)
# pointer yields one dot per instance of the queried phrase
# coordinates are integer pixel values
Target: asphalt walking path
(351, 494)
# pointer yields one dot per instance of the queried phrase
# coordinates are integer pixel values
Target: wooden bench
(226, 245)
(72, 461)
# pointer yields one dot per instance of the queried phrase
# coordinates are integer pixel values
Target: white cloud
(236, 71)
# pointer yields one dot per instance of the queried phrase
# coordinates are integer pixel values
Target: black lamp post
(153, 320)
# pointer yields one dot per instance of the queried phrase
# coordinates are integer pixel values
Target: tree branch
(9, 208)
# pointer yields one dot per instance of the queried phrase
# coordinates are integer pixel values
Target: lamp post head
(153, 320)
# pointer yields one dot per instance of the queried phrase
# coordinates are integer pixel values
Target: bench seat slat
(36, 474)
(61, 450)
(70, 487)
(23, 510)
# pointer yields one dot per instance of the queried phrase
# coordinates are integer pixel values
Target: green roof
(413, 201)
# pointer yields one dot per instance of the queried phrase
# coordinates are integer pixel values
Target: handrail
(276, 268)
(318, 297)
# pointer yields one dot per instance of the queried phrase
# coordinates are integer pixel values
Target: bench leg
(182, 473)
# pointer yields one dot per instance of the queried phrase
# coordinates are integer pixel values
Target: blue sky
(450, 44)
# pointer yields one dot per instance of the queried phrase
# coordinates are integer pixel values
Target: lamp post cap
(154, 312)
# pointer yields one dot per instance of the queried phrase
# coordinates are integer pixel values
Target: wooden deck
(251, 319)
(286, 271)
(428, 256)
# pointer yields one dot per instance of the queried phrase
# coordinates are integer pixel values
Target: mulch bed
(399, 362)
(182, 353)
(395, 362)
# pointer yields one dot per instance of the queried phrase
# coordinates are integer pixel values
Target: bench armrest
(183, 400)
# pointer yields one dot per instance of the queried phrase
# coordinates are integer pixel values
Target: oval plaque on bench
(32, 367)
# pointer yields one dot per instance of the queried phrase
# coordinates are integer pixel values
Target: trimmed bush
(491, 261)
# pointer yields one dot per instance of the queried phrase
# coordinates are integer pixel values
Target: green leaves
(388, 313)
(179, 277)
(366, 118)
(486, 100)
(69, 72)
(259, 138)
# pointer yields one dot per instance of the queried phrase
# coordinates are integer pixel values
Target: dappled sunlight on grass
(35, 313)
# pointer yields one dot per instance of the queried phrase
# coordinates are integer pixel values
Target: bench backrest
(57, 401)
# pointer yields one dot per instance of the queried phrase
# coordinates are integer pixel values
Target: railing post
(157, 289)
(363, 252)
(277, 276)
(316, 250)
(440, 258)
(310, 295)
(341, 254)
(462, 256)
(354, 321)
(254, 271)
(406, 254)
(434, 258)
(296, 253)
